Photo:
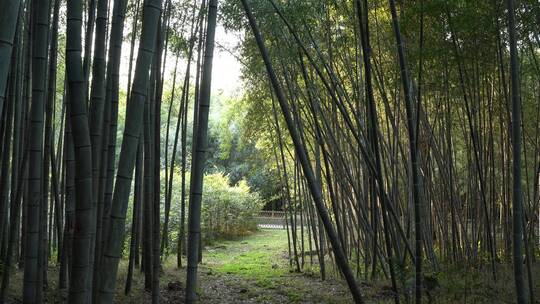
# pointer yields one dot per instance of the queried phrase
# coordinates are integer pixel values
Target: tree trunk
(40, 26)
(8, 25)
(128, 153)
(517, 194)
(84, 216)
(409, 97)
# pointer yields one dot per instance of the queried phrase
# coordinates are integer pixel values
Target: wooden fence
(271, 219)
(276, 219)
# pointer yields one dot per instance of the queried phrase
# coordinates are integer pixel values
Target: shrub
(228, 211)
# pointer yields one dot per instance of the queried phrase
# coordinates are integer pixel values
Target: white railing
(276, 219)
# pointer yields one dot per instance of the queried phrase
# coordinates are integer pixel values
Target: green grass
(254, 257)
(261, 261)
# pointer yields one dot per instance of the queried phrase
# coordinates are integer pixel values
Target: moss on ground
(256, 258)
(261, 261)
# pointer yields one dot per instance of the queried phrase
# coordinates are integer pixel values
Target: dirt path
(256, 270)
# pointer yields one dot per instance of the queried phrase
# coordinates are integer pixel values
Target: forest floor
(255, 269)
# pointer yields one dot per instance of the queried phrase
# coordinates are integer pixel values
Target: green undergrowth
(255, 259)
(461, 284)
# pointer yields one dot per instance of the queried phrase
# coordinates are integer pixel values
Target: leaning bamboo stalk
(306, 166)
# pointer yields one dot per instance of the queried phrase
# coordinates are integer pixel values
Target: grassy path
(253, 269)
(256, 270)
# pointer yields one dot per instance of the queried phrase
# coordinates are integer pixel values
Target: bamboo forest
(269, 151)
